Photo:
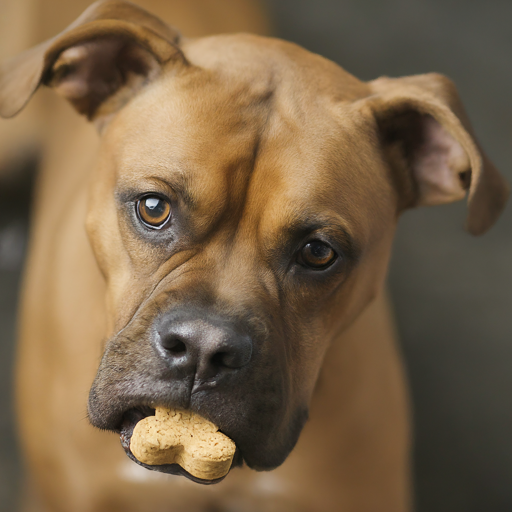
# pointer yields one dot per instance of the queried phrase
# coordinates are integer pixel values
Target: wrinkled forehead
(238, 91)
(279, 146)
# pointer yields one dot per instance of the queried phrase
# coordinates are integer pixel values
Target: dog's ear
(429, 142)
(97, 63)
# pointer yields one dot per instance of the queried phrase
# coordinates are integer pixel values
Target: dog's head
(242, 210)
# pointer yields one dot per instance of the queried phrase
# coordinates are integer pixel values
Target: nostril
(219, 359)
(178, 351)
(174, 345)
(178, 348)
(235, 353)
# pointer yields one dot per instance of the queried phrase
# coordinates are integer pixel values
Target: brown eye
(154, 211)
(317, 255)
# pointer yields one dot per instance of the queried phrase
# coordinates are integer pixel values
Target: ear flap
(429, 142)
(110, 51)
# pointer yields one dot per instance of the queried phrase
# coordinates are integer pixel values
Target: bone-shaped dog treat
(184, 438)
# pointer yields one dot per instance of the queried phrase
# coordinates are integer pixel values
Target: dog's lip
(131, 418)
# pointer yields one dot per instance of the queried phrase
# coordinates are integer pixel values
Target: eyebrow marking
(179, 186)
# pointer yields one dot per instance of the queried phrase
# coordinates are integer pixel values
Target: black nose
(192, 342)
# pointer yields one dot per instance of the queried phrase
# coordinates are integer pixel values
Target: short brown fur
(255, 140)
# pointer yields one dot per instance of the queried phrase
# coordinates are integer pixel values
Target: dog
(240, 207)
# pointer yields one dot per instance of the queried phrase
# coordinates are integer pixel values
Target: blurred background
(452, 292)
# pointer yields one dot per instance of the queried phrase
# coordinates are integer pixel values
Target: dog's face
(230, 216)
(242, 210)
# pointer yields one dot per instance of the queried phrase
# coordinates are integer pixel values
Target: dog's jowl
(239, 210)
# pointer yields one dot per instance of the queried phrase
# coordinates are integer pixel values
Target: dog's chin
(131, 418)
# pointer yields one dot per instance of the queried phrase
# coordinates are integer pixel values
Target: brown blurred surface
(452, 292)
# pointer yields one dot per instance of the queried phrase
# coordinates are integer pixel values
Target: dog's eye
(317, 255)
(154, 211)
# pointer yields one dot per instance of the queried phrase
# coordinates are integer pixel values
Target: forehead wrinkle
(302, 219)
(186, 162)
(251, 111)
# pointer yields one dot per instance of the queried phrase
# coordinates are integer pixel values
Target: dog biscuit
(184, 438)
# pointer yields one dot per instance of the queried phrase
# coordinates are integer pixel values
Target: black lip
(125, 435)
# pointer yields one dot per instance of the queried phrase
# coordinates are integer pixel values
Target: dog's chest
(243, 491)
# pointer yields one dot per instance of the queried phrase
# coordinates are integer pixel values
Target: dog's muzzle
(231, 371)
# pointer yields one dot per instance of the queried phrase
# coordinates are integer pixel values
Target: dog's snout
(202, 345)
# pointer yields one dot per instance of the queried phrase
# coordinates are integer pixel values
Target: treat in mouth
(182, 437)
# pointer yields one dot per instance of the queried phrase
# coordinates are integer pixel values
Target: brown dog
(240, 208)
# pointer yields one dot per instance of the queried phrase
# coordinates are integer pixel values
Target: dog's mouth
(131, 417)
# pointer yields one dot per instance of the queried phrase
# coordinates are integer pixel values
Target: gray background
(452, 292)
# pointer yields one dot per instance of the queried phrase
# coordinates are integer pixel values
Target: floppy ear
(97, 63)
(429, 142)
